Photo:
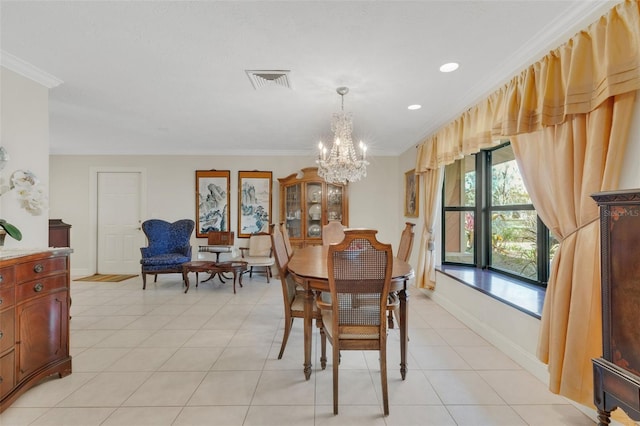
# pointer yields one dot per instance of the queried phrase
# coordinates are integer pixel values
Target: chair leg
(268, 272)
(336, 362)
(288, 323)
(383, 379)
(155, 278)
(393, 311)
(323, 346)
(144, 281)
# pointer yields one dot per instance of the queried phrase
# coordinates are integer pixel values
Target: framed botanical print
(254, 202)
(411, 193)
(212, 201)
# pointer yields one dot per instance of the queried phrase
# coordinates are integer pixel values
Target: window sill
(525, 297)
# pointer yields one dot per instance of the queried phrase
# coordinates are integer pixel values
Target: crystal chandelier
(342, 164)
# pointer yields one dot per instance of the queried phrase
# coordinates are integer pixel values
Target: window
(489, 220)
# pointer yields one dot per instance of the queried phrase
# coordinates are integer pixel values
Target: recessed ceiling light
(451, 66)
(414, 107)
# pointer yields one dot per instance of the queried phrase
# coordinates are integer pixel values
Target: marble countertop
(8, 253)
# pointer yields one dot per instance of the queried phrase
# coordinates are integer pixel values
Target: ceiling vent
(264, 78)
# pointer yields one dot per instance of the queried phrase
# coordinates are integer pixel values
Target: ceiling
(166, 78)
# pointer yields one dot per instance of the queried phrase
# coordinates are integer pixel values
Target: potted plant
(8, 229)
(30, 194)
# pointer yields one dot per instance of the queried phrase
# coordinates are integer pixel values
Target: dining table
(308, 265)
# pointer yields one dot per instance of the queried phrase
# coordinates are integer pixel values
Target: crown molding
(552, 36)
(28, 70)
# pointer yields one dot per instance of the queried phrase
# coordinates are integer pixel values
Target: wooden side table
(196, 266)
(234, 267)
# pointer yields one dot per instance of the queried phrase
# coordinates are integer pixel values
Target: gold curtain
(551, 99)
(432, 183)
(579, 157)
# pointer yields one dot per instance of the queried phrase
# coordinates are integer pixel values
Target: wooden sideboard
(616, 375)
(34, 319)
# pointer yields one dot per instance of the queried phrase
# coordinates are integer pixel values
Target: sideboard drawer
(7, 276)
(38, 287)
(40, 268)
(7, 373)
(7, 297)
(7, 330)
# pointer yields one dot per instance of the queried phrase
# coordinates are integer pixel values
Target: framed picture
(254, 202)
(212, 201)
(411, 194)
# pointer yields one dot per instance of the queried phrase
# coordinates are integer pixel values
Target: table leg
(218, 273)
(404, 325)
(185, 278)
(323, 341)
(308, 308)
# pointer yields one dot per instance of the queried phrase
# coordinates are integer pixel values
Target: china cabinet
(34, 319)
(616, 375)
(307, 203)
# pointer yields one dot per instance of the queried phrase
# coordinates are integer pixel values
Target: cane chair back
(332, 233)
(406, 242)
(287, 242)
(404, 253)
(359, 271)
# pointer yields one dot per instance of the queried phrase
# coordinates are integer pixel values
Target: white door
(119, 233)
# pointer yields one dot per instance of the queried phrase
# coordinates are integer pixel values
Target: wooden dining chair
(287, 242)
(332, 232)
(359, 271)
(404, 253)
(406, 242)
(293, 296)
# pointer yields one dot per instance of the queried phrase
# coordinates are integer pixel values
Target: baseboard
(525, 359)
(80, 272)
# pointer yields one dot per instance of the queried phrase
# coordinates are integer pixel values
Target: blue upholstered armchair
(168, 248)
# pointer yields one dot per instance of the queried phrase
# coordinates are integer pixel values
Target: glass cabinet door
(293, 197)
(334, 203)
(314, 210)
(307, 203)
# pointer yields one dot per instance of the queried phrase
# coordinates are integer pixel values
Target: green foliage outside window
(510, 232)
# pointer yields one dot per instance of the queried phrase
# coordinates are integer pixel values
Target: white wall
(374, 202)
(24, 117)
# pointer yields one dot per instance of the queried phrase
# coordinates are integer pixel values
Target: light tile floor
(209, 357)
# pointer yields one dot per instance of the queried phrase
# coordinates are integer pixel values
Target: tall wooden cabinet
(307, 203)
(34, 319)
(616, 375)
(59, 233)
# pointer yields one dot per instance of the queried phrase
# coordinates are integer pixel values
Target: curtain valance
(599, 62)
